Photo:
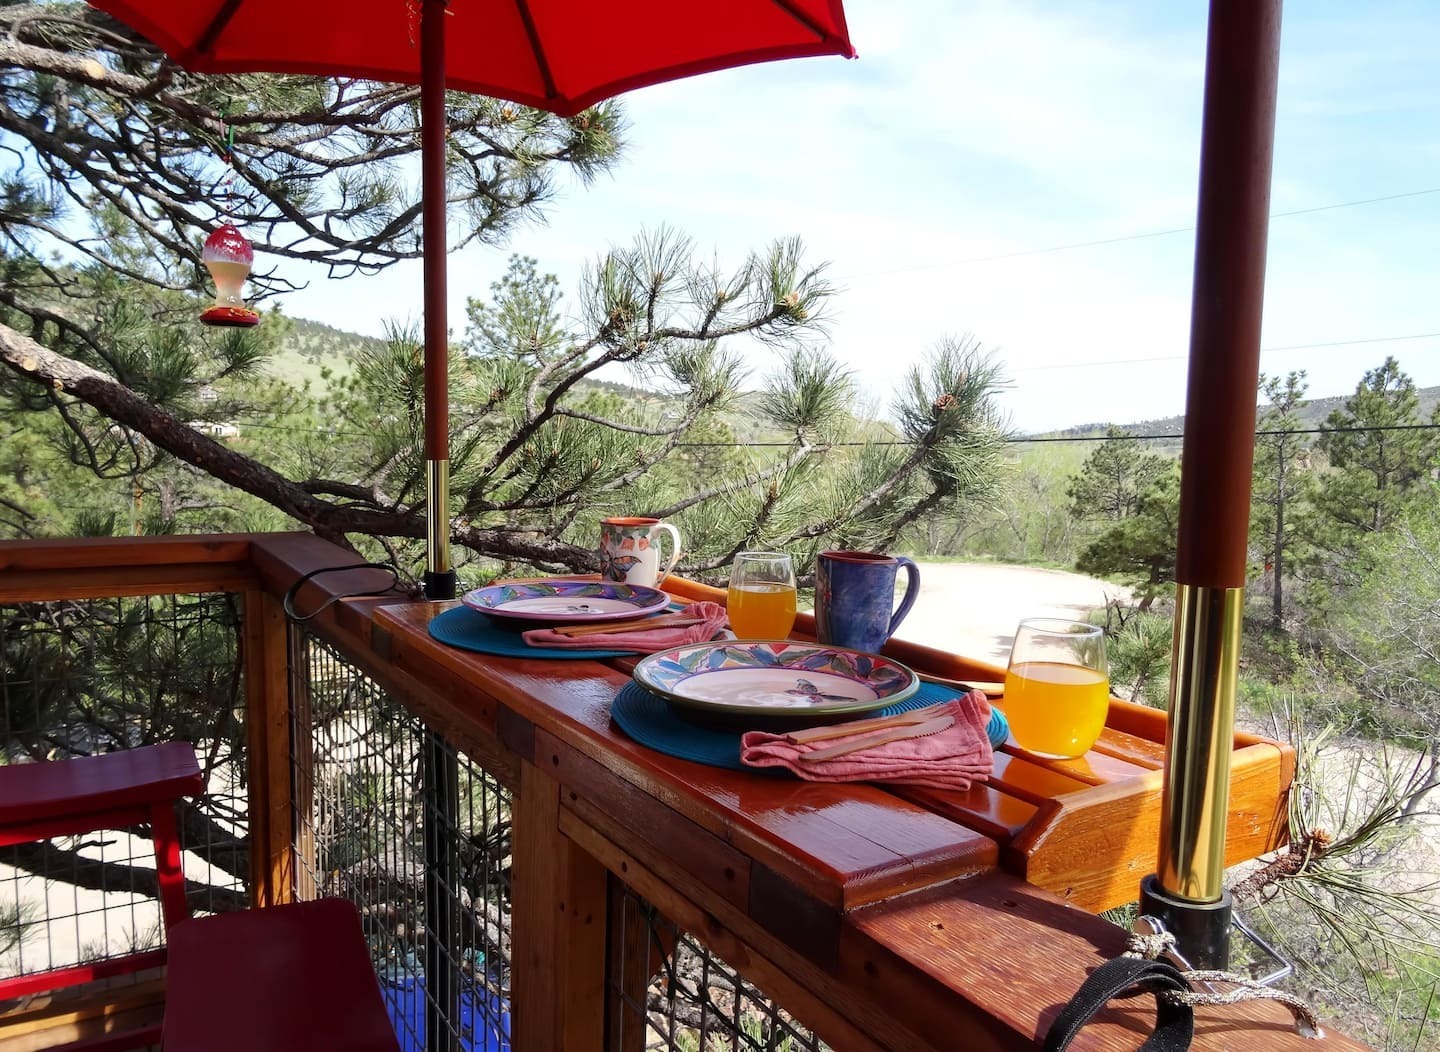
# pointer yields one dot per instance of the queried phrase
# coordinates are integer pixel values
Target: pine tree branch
(317, 183)
(794, 457)
(370, 496)
(44, 367)
(616, 425)
(926, 504)
(648, 462)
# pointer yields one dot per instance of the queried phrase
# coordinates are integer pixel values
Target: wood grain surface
(892, 919)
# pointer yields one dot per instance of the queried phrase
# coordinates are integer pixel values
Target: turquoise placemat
(464, 628)
(652, 721)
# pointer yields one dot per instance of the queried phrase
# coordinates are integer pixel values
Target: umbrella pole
(1241, 71)
(439, 763)
(440, 581)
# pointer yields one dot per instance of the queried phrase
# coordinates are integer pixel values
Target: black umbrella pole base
(442, 585)
(1201, 929)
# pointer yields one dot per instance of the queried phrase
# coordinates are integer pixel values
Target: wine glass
(762, 595)
(1057, 687)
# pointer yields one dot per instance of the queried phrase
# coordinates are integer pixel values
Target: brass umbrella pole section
(1237, 144)
(440, 581)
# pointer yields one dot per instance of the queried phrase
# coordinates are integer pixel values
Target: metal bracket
(1285, 968)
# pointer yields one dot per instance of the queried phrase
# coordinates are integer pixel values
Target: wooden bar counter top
(884, 918)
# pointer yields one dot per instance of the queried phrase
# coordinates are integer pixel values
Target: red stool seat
(295, 976)
(114, 790)
(31, 792)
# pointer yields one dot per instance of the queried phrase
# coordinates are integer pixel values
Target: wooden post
(306, 866)
(267, 707)
(559, 920)
(629, 973)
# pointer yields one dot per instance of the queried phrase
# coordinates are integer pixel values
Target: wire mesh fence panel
(88, 676)
(369, 779)
(668, 991)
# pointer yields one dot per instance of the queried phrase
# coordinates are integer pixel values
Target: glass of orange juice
(761, 602)
(1057, 687)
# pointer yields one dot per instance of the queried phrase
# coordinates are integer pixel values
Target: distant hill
(311, 347)
(1312, 413)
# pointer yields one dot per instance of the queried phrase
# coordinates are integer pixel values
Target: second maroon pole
(1187, 892)
(440, 580)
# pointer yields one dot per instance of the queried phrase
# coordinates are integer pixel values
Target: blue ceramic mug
(854, 597)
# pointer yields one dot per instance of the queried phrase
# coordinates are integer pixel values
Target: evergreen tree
(1113, 478)
(1377, 454)
(1140, 548)
(1280, 481)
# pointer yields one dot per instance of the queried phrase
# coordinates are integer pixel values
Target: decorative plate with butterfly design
(565, 602)
(775, 678)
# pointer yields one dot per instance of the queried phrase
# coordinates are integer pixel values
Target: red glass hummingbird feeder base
(235, 317)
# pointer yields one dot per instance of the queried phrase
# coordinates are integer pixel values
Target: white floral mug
(630, 550)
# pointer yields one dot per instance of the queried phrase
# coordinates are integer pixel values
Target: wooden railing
(877, 921)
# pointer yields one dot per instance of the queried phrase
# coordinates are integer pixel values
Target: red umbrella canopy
(558, 55)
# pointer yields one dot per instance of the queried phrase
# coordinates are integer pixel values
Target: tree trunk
(1277, 598)
(1150, 591)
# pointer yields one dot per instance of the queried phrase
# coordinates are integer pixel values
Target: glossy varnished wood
(943, 966)
(1085, 829)
(879, 917)
(843, 845)
(849, 1020)
(107, 567)
(97, 553)
(1010, 947)
(1094, 846)
(558, 927)
(272, 792)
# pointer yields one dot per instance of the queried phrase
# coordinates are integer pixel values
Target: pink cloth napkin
(955, 758)
(641, 641)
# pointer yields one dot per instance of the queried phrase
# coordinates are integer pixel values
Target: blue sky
(970, 131)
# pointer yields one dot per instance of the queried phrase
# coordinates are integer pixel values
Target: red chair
(114, 790)
(295, 976)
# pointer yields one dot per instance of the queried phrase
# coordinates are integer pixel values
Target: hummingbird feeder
(228, 256)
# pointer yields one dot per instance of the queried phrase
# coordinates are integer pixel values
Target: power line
(1263, 350)
(1127, 437)
(1088, 438)
(1071, 246)
(1258, 434)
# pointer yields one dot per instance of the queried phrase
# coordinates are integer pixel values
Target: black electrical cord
(288, 602)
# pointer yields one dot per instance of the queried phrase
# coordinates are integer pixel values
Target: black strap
(1128, 977)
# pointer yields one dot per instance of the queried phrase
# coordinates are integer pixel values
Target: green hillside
(310, 350)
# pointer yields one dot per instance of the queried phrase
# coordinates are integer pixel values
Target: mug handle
(912, 592)
(674, 554)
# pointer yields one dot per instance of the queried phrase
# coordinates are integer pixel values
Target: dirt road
(972, 608)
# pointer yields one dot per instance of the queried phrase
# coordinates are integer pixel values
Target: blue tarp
(484, 1016)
